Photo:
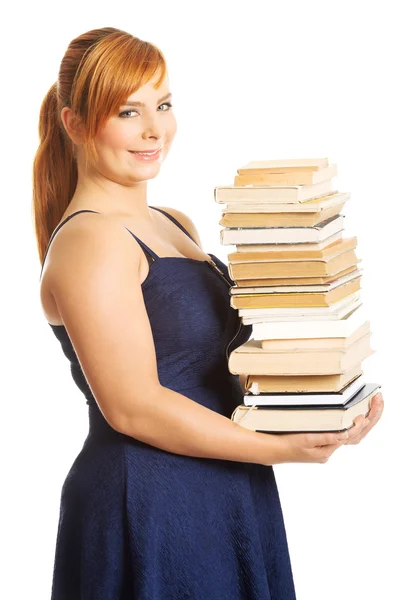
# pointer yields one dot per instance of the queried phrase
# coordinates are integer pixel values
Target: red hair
(99, 71)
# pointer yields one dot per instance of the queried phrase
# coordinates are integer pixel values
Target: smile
(146, 156)
(152, 153)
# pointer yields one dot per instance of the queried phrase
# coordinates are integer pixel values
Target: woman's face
(143, 127)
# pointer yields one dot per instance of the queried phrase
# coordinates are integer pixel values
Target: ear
(72, 125)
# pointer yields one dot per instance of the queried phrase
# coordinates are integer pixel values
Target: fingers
(360, 423)
(325, 439)
(322, 445)
(356, 434)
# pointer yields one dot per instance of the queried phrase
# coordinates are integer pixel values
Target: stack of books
(297, 282)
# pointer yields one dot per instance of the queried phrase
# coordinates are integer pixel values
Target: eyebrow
(130, 103)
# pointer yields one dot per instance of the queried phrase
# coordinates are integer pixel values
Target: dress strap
(145, 247)
(148, 251)
(174, 220)
(59, 227)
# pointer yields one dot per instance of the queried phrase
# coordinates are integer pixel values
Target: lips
(146, 151)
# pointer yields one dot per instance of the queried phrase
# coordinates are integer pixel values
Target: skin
(93, 254)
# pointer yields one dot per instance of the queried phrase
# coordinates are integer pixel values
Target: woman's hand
(368, 423)
(319, 447)
(312, 447)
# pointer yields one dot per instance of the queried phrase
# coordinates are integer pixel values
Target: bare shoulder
(185, 221)
(87, 242)
(99, 297)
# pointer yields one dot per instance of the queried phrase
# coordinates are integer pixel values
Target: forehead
(149, 91)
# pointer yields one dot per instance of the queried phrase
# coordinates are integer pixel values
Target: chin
(139, 178)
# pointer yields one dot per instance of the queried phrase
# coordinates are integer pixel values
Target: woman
(168, 498)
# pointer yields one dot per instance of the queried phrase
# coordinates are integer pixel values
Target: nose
(153, 128)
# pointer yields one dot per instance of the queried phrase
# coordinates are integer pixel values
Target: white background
(250, 81)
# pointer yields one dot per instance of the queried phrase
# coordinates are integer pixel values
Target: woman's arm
(94, 279)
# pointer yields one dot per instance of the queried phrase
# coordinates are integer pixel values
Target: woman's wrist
(269, 448)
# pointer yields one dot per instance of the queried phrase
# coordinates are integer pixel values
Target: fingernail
(367, 422)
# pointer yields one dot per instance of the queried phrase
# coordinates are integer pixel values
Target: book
(302, 312)
(309, 246)
(251, 359)
(307, 398)
(295, 299)
(285, 281)
(299, 419)
(290, 219)
(274, 252)
(278, 165)
(291, 194)
(331, 265)
(293, 252)
(257, 384)
(294, 270)
(308, 206)
(342, 328)
(270, 177)
(295, 280)
(282, 235)
(294, 344)
(234, 290)
(334, 315)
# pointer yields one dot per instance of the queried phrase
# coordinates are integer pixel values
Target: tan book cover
(294, 280)
(283, 165)
(293, 299)
(298, 252)
(290, 194)
(235, 290)
(251, 359)
(304, 177)
(282, 269)
(301, 383)
(280, 219)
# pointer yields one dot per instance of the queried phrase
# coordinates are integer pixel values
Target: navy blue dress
(140, 523)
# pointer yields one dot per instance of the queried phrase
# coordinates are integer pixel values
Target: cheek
(173, 126)
(114, 137)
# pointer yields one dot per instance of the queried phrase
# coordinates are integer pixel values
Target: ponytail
(54, 171)
(98, 72)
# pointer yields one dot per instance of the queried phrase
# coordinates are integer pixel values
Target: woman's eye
(126, 112)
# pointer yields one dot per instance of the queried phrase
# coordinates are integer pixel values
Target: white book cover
(309, 206)
(336, 316)
(282, 235)
(290, 248)
(311, 398)
(336, 328)
(290, 194)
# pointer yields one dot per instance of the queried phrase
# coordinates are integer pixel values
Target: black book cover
(358, 397)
